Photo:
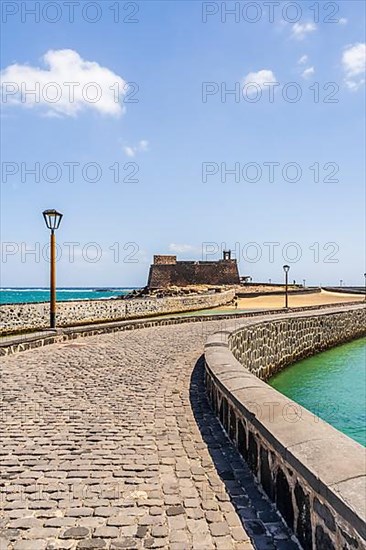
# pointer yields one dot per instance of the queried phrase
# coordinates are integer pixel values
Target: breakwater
(313, 473)
(33, 316)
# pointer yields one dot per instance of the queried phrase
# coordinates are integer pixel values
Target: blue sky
(171, 135)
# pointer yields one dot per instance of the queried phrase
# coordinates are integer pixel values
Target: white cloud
(353, 62)
(303, 59)
(300, 30)
(353, 59)
(343, 21)
(308, 72)
(66, 86)
(131, 151)
(354, 85)
(143, 145)
(181, 248)
(263, 78)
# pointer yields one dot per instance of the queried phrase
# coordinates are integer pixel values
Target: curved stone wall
(274, 344)
(34, 316)
(313, 473)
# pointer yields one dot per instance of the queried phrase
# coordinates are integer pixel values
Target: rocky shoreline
(175, 291)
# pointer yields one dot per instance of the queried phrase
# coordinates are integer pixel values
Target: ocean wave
(24, 289)
(66, 290)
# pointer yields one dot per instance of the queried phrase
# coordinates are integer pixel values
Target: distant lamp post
(304, 283)
(365, 285)
(341, 282)
(286, 269)
(52, 219)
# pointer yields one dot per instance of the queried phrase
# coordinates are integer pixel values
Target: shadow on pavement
(258, 516)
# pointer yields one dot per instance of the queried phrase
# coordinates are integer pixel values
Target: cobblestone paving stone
(109, 442)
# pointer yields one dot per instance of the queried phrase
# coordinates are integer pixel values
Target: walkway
(109, 442)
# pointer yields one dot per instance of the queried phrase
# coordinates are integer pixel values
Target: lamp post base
(53, 320)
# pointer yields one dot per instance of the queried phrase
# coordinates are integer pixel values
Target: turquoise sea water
(27, 295)
(332, 385)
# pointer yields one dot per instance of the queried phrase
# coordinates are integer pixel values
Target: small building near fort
(166, 271)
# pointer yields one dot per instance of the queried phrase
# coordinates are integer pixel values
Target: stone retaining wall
(275, 344)
(14, 343)
(313, 473)
(22, 317)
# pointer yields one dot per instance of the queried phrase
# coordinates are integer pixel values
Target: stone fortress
(166, 271)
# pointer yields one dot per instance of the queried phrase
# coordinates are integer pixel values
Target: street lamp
(52, 219)
(341, 282)
(286, 269)
(304, 283)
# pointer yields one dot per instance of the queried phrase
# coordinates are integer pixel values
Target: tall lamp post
(286, 269)
(53, 220)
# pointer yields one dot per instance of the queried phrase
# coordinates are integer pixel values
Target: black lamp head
(52, 219)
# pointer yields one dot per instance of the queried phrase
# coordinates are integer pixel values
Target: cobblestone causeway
(109, 442)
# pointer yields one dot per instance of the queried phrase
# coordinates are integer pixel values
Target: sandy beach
(297, 300)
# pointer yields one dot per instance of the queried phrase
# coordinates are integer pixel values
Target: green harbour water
(332, 385)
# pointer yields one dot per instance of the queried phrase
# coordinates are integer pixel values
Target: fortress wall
(312, 472)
